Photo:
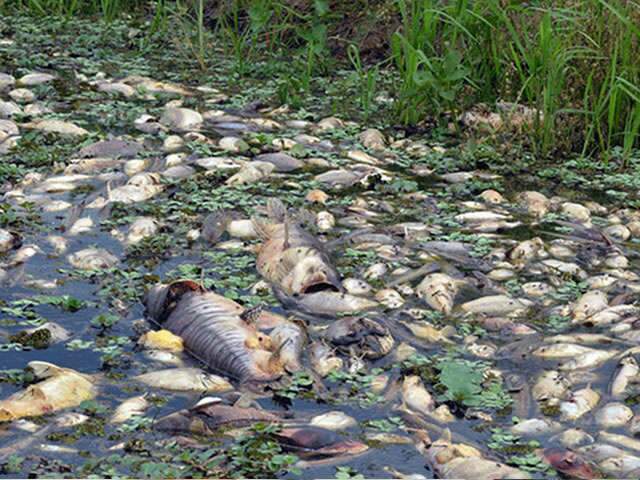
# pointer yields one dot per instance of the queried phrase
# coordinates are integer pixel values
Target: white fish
(439, 291)
(181, 119)
(613, 415)
(497, 305)
(561, 350)
(92, 259)
(56, 126)
(60, 388)
(626, 372)
(589, 304)
(415, 396)
(535, 426)
(130, 408)
(334, 420)
(590, 359)
(581, 402)
(185, 379)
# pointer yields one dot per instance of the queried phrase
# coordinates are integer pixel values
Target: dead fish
(613, 414)
(360, 336)
(619, 440)
(111, 149)
(209, 417)
(181, 119)
(288, 340)
(497, 305)
(131, 407)
(141, 228)
(281, 161)
(161, 340)
(550, 385)
(213, 331)
(184, 380)
(9, 241)
(323, 359)
(569, 463)
(573, 438)
(334, 420)
(325, 303)
(610, 315)
(55, 126)
(250, 173)
(535, 426)
(439, 291)
(561, 350)
(589, 304)
(36, 78)
(458, 460)
(591, 359)
(526, 250)
(92, 259)
(581, 402)
(315, 442)
(427, 332)
(60, 388)
(215, 225)
(415, 396)
(626, 372)
(291, 258)
(356, 286)
(457, 252)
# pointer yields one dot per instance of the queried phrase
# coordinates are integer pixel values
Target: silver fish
(213, 330)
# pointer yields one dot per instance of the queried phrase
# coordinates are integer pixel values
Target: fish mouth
(321, 286)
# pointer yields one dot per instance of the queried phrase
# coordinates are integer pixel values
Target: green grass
(575, 63)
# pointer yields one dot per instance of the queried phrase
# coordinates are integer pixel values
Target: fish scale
(214, 335)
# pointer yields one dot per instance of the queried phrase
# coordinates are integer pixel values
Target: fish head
(312, 275)
(161, 299)
(154, 301)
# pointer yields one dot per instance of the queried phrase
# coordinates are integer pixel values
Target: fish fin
(251, 315)
(275, 361)
(446, 435)
(276, 210)
(215, 224)
(6, 415)
(285, 244)
(261, 228)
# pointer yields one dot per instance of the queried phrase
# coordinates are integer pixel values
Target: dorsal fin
(285, 244)
(261, 228)
(276, 210)
(250, 315)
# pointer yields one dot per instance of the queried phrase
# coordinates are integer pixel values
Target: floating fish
(291, 258)
(213, 331)
(60, 388)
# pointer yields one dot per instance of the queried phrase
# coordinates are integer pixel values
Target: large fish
(214, 331)
(291, 258)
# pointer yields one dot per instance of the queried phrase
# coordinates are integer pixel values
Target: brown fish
(208, 418)
(458, 460)
(215, 331)
(291, 258)
(569, 463)
(316, 442)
